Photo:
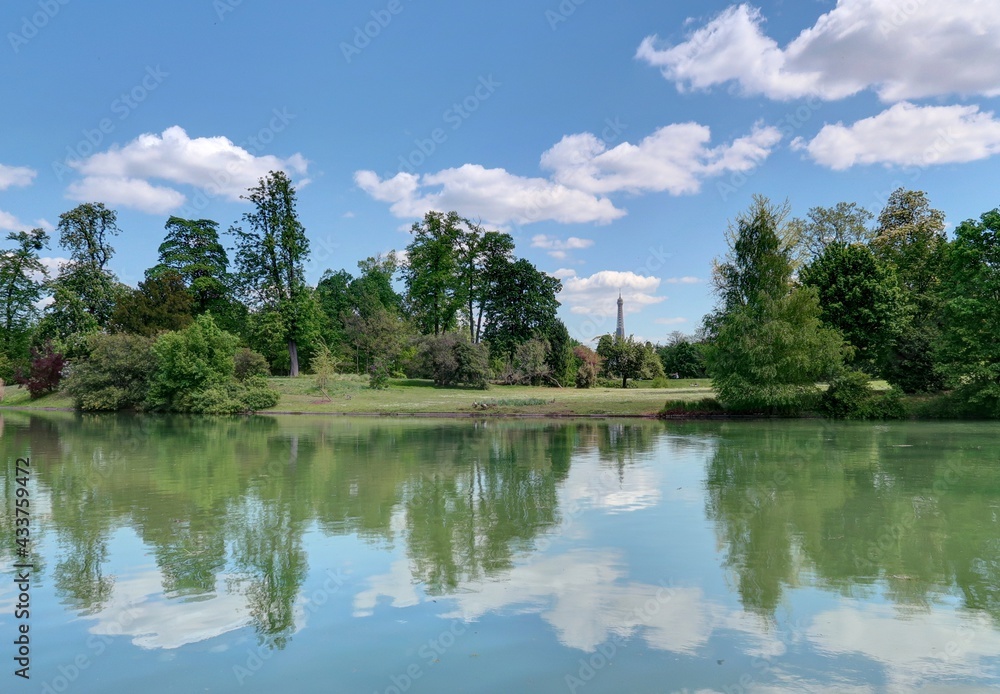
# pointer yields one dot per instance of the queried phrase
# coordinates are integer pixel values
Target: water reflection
(587, 528)
(913, 510)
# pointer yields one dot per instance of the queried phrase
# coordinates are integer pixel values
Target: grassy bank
(351, 395)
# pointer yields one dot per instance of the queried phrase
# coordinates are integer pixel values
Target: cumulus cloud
(597, 295)
(124, 175)
(900, 50)
(908, 135)
(16, 176)
(496, 196)
(558, 248)
(584, 172)
(675, 159)
(9, 222)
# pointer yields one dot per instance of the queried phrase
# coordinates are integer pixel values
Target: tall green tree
(769, 346)
(160, 303)
(859, 295)
(86, 232)
(970, 348)
(481, 256)
(522, 305)
(435, 292)
(910, 236)
(845, 223)
(22, 276)
(625, 359)
(192, 249)
(271, 252)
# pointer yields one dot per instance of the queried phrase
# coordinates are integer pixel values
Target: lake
(323, 554)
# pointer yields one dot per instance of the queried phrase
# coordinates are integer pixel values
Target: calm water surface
(337, 555)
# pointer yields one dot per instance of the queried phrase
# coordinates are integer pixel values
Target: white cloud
(901, 50)
(128, 192)
(493, 195)
(558, 248)
(597, 295)
(683, 280)
(671, 321)
(908, 135)
(675, 158)
(123, 175)
(9, 222)
(16, 176)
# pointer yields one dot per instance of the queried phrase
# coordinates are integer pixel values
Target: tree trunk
(293, 357)
(624, 381)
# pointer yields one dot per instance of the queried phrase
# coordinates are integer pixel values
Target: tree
(560, 355)
(481, 256)
(86, 231)
(589, 366)
(625, 359)
(161, 303)
(521, 305)
(115, 375)
(271, 254)
(21, 286)
(768, 344)
(911, 238)
(844, 223)
(682, 357)
(859, 296)
(192, 249)
(970, 349)
(434, 289)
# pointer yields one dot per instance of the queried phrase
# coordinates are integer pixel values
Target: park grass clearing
(350, 394)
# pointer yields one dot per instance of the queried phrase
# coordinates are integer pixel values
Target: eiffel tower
(620, 331)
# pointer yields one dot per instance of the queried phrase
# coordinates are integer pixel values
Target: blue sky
(613, 140)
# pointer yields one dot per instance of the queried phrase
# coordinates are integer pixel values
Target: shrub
(116, 374)
(248, 363)
(378, 374)
(198, 358)
(44, 372)
(451, 360)
(849, 396)
(590, 366)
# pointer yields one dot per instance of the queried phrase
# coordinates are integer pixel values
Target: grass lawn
(351, 395)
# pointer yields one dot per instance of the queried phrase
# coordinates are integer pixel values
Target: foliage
(589, 366)
(482, 256)
(433, 285)
(192, 249)
(850, 396)
(85, 230)
(19, 290)
(521, 305)
(324, 366)
(970, 348)
(271, 254)
(683, 358)
(530, 363)
(627, 359)
(450, 360)
(160, 303)
(247, 363)
(45, 371)
(859, 295)
(115, 375)
(195, 373)
(652, 367)
(703, 407)
(379, 374)
(769, 345)
(560, 354)
(844, 224)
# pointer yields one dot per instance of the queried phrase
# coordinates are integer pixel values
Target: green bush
(850, 396)
(378, 375)
(248, 363)
(449, 360)
(191, 362)
(116, 374)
